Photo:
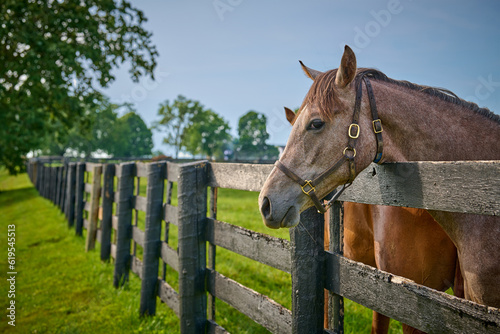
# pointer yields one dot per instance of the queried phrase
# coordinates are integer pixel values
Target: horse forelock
(322, 95)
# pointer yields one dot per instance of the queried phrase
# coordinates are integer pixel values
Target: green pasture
(62, 289)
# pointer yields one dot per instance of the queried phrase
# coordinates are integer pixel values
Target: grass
(62, 289)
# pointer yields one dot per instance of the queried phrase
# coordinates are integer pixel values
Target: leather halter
(349, 153)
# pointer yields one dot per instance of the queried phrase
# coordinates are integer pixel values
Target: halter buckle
(308, 183)
(377, 126)
(349, 149)
(356, 135)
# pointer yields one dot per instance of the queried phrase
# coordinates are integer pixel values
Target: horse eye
(315, 124)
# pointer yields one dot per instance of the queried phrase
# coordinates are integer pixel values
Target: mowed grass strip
(62, 289)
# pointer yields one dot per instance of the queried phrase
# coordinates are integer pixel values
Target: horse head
(328, 146)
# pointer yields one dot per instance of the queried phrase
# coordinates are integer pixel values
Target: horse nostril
(265, 208)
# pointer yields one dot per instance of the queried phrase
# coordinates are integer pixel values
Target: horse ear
(290, 115)
(312, 74)
(347, 68)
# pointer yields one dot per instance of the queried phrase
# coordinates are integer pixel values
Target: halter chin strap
(349, 153)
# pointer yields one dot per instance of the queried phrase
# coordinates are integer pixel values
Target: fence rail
(472, 187)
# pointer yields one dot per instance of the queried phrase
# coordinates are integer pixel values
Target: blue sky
(239, 55)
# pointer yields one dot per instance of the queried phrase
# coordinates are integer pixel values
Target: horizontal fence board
(86, 206)
(238, 176)
(116, 196)
(89, 166)
(170, 256)
(460, 186)
(136, 266)
(113, 251)
(86, 224)
(88, 188)
(141, 169)
(170, 213)
(114, 222)
(260, 247)
(403, 300)
(138, 235)
(258, 307)
(99, 235)
(168, 295)
(172, 172)
(214, 328)
(139, 203)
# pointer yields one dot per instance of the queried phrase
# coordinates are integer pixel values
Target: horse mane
(322, 92)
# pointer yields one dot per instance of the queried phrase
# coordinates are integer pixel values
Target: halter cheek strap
(348, 155)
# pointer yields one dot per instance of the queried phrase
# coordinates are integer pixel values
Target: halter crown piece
(349, 153)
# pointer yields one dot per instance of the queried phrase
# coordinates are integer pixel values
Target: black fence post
(125, 188)
(70, 194)
(152, 237)
(192, 208)
(336, 302)
(307, 254)
(79, 192)
(107, 210)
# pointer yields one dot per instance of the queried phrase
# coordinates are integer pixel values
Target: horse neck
(421, 127)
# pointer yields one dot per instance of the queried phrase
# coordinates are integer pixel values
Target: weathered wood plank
(192, 200)
(258, 307)
(88, 188)
(107, 210)
(214, 328)
(172, 172)
(80, 173)
(307, 253)
(113, 251)
(139, 203)
(260, 247)
(114, 222)
(170, 214)
(86, 206)
(70, 194)
(125, 189)
(431, 185)
(170, 256)
(136, 266)
(141, 169)
(138, 235)
(238, 176)
(155, 173)
(336, 302)
(85, 224)
(99, 235)
(95, 195)
(403, 300)
(89, 166)
(169, 296)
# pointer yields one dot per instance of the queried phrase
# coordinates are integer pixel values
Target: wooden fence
(101, 199)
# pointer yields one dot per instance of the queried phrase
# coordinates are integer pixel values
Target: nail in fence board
(79, 193)
(125, 190)
(307, 272)
(107, 210)
(95, 194)
(152, 237)
(192, 205)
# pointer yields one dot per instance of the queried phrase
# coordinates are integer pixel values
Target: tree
(131, 137)
(208, 134)
(53, 56)
(175, 118)
(252, 132)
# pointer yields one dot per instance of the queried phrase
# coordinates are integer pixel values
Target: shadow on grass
(15, 196)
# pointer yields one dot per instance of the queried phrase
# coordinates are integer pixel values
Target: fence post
(79, 192)
(107, 210)
(307, 273)
(94, 208)
(125, 189)
(152, 237)
(192, 208)
(70, 194)
(336, 302)
(64, 174)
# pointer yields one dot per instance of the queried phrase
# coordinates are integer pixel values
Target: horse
(404, 241)
(393, 121)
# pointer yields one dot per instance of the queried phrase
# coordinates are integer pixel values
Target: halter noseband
(309, 186)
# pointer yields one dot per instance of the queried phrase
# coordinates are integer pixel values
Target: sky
(239, 55)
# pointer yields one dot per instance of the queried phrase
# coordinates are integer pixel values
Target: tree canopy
(252, 132)
(54, 55)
